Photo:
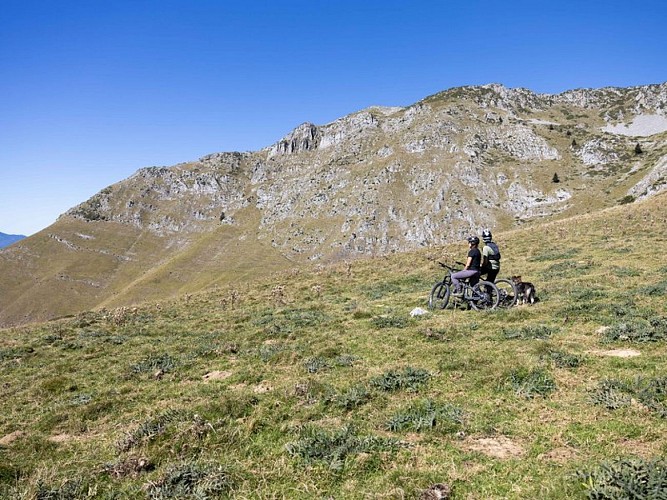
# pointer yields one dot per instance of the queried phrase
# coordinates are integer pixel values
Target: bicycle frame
(481, 295)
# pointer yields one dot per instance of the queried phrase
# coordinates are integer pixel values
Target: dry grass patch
(500, 447)
(218, 375)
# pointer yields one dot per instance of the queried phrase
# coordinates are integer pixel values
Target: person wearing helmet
(490, 257)
(472, 266)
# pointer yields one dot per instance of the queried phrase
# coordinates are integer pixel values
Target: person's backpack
(495, 249)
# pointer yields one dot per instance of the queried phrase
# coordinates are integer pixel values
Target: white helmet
(487, 236)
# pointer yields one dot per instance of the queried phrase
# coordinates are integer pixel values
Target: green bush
(529, 332)
(626, 479)
(614, 394)
(611, 394)
(564, 359)
(352, 397)
(424, 415)
(154, 362)
(316, 364)
(637, 330)
(334, 447)
(193, 480)
(389, 322)
(530, 383)
(149, 429)
(655, 290)
(408, 378)
(70, 488)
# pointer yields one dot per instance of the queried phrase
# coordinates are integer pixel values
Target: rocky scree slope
(385, 179)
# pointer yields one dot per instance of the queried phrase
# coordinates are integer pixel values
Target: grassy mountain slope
(93, 263)
(376, 182)
(318, 383)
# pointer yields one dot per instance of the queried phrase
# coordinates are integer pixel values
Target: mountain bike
(482, 295)
(507, 292)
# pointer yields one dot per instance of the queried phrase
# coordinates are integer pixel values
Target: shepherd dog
(525, 291)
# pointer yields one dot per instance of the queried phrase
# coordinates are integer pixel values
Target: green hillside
(318, 383)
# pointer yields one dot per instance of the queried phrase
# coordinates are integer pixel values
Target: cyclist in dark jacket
(472, 266)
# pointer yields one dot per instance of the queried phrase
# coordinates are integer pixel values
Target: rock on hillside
(384, 179)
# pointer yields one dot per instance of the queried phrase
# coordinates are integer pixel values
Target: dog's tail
(531, 296)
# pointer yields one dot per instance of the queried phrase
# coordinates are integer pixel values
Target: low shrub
(352, 397)
(193, 480)
(154, 362)
(626, 478)
(637, 330)
(529, 332)
(651, 392)
(565, 360)
(611, 394)
(334, 447)
(316, 364)
(389, 322)
(529, 383)
(408, 378)
(148, 430)
(424, 415)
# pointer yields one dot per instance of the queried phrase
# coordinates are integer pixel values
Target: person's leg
(461, 275)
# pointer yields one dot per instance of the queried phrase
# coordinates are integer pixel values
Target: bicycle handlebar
(442, 264)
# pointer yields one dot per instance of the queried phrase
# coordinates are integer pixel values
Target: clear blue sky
(91, 90)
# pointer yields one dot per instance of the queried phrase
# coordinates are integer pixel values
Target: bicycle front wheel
(485, 296)
(507, 293)
(439, 297)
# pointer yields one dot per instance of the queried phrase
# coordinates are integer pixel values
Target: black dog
(525, 291)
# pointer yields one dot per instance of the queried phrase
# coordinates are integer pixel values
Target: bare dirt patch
(262, 387)
(618, 353)
(61, 438)
(217, 375)
(641, 448)
(10, 438)
(496, 447)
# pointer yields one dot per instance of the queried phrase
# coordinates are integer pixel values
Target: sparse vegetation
(626, 478)
(341, 394)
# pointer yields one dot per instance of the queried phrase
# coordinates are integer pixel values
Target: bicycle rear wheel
(439, 297)
(507, 292)
(485, 296)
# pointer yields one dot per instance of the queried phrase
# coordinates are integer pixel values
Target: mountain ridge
(9, 239)
(377, 181)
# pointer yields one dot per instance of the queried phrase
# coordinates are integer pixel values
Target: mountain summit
(382, 180)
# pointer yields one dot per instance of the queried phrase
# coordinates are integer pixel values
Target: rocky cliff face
(384, 179)
(392, 179)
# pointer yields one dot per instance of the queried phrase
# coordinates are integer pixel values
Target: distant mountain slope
(378, 181)
(8, 239)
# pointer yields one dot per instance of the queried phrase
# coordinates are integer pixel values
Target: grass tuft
(529, 383)
(425, 415)
(626, 478)
(529, 332)
(152, 363)
(408, 378)
(335, 447)
(193, 480)
(637, 330)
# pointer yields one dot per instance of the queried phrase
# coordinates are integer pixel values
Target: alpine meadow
(246, 325)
